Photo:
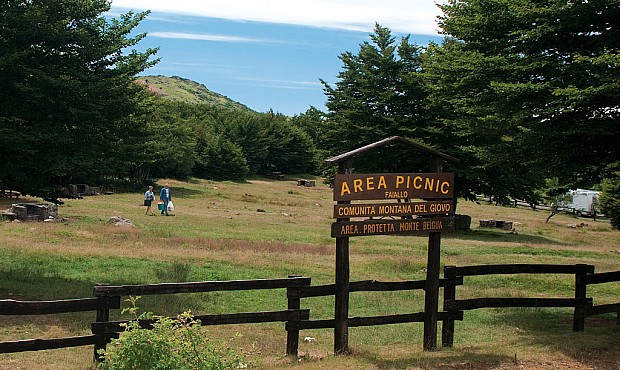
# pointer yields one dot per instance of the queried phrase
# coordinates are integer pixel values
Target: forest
(525, 93)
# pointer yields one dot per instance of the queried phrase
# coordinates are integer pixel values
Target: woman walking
(149, 197)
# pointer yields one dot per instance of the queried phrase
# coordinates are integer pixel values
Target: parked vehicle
(584, 202)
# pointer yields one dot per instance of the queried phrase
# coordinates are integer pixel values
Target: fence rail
(216, 319)
(54, 343)
(13, 307)
(199, 287)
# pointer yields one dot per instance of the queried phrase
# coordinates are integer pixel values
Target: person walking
(164, 196)
(149, 197)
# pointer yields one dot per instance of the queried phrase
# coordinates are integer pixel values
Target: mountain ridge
(185, 90)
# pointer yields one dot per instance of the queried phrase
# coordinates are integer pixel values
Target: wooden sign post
(429, 216)
(341, 309)
(431, 290)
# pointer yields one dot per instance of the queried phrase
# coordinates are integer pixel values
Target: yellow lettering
(399, 181)
(357, 185)
(382, 183)
(370, 183)
(344, 189)
(428, 185)
(447, 185)
(417, 182)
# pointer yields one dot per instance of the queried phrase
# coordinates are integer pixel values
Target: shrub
(170, 344)
(609, 200)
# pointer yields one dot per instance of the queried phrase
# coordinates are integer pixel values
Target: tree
(67, 94)
(529, 89)
(378, 94)
(610, 200)
(219, 159)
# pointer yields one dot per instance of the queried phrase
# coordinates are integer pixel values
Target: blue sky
(270, 54)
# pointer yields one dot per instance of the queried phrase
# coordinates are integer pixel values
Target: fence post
(292, 336)
(102, 316)
(449, 293)
(580, 292)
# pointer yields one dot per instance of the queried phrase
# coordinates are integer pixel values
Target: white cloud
(405, 16)
(281, 84)
(207, 37)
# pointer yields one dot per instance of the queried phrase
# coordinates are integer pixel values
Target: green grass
(217, 234)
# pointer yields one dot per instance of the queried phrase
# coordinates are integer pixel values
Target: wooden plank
(431, 296)
(44, 344)
(394, 209)
(368, 321)
(472, 304)
(417, 226)
(199, 287)
(214, 319)
(342, 279)
(392, 139)
(580, 293)
(360, 186)
(520, 269)
(367, 286)
(600, 278)
(602, 309)
(13, 307)
(292, 336)
(449, 294)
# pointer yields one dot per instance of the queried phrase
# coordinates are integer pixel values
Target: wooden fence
(295, 294)
(12, 307)
(582, 283)
(583, 306)
(296, 319)
(108, 297)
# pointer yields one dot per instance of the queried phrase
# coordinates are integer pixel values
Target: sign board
(393, 186)
(414, 226)
(393, 209)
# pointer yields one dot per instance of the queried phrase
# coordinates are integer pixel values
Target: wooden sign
(415, 226)
(393, 186)
(393, 209)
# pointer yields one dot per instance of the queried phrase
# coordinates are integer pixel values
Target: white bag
(170, 206)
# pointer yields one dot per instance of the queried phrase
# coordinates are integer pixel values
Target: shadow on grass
(499, 236)
(37, 282)
(553, 328)
(443, 359)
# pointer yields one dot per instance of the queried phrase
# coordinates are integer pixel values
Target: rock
(260, 210)
(120, 221)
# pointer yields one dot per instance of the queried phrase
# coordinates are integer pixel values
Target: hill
(181, 89)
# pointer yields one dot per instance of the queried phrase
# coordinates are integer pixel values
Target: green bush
(609, 200)
(174, 344)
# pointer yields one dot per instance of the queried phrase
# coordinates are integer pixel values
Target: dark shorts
(147, 202)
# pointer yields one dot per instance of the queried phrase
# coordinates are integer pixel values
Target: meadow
(272, 229)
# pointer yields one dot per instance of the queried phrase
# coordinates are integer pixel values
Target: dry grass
(218, 231)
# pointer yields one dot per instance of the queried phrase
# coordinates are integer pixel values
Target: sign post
(341, 309)
(392, 213)
(431, 296)
(429, 217)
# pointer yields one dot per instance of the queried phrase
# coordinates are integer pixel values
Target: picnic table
(9, 193)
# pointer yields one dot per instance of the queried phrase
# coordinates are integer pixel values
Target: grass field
(218, 234)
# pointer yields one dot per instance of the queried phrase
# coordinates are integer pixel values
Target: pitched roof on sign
(392, 139)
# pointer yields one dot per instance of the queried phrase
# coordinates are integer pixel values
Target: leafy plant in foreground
(170, 344)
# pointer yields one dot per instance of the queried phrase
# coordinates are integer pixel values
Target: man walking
(164, 196)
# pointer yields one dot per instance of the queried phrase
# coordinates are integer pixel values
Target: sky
(270, 54)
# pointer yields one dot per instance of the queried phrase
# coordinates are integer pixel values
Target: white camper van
(584, 202)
